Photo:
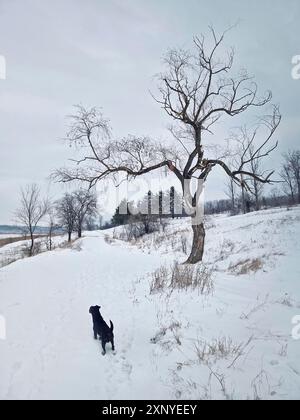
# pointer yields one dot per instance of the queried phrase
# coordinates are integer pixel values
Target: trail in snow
(50, 351)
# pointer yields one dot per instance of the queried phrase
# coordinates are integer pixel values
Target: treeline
(287, 191)
(275, 199)
(151, 208)
(73, 212)
(157, 206)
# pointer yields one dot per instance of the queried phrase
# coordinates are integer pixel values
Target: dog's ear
(98, 307)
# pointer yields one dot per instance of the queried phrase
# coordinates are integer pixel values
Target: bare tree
(196, 91)
(286, 174)
(52, 225)
(31, 211)
(295, 164)
(230, 191)
(290, 173)
(66, 213)
(257, 187)
(250, 151)
(85, 205)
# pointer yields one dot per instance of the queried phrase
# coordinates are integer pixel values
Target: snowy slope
(17, 250)
(50, 352)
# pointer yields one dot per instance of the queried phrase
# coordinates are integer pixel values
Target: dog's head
(94, 309)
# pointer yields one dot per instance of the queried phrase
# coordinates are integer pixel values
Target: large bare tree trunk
(198, 244)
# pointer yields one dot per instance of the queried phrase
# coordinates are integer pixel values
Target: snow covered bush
(137, 227)
(28, 251)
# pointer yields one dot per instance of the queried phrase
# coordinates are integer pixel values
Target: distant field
(6, 239)
(9, 235)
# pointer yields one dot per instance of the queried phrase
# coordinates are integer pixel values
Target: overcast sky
(105, 52)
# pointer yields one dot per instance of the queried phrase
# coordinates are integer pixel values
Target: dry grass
(160, 279)
(159, 335)
(283, 351)
(261, 385)
(246, 266)
(227, 248)
(168, 342)
(286, 301)
(256, 308)
(221, 348)
(190, 276)
(182, 277)
(7, 241)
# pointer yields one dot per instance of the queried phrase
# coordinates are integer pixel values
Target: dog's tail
(111, 326)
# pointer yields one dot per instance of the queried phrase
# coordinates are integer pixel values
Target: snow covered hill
(18, 249)
(233, 343)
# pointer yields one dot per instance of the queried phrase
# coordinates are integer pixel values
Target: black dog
(101, 328)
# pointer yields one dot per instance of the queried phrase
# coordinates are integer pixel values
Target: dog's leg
(95, 334)
(103, 347)
(112, 345)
